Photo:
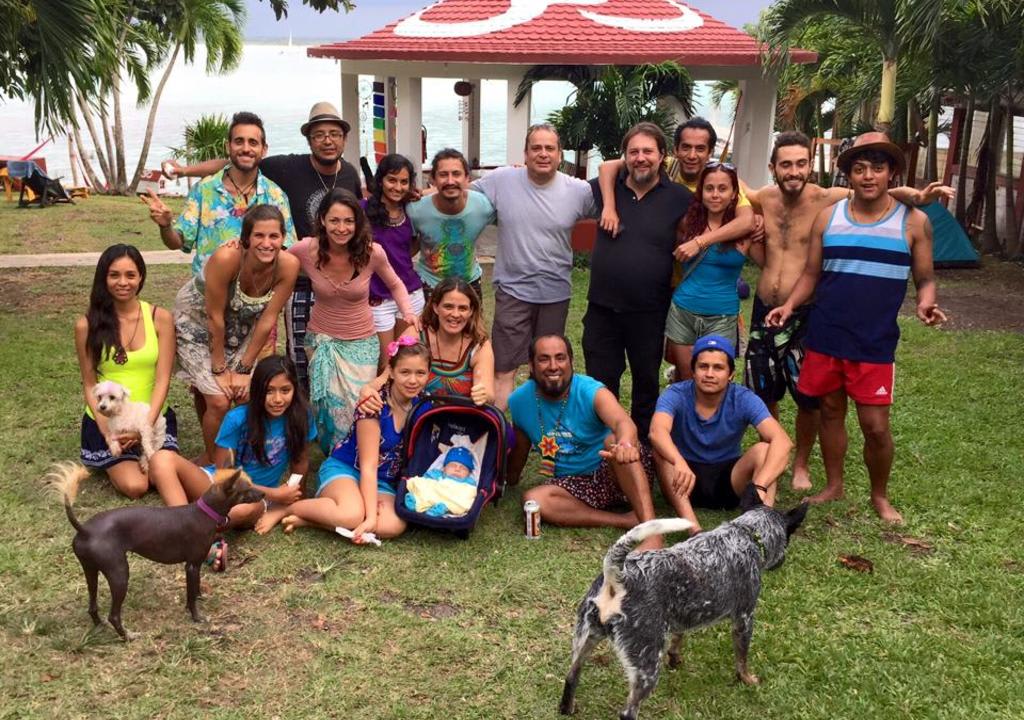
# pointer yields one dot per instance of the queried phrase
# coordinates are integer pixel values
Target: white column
(518, 123)
(409, 104)
(755, 124)
(350, 112)
(471, 124)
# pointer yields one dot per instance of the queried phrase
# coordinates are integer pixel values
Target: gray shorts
(684, 327)
(517, 323)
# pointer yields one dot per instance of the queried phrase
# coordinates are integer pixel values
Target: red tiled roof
(578, 32)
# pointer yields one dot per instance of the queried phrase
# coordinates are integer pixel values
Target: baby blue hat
(461, 455)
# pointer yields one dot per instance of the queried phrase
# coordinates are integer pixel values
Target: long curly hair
(392, 164)
(296, 417)
(475, 328)
(359, 246)
(696, 219)
(104, 334)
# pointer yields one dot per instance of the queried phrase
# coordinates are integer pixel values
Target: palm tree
(610, 99)
(42, 47)
(886, 23)
(214, 22)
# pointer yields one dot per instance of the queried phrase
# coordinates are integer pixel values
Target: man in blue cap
(696, 433)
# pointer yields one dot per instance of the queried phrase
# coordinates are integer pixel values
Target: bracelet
(700, 245)
(243, 369)
(219, 370)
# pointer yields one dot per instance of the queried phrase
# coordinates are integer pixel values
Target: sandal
(217, 558)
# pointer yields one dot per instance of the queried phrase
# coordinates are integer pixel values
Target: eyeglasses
(711, 164)
(322, 135)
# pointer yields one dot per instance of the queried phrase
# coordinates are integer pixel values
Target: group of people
(382, 300)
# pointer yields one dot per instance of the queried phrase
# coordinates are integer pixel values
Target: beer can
(531, 513)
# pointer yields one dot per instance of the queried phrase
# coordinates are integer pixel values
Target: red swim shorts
(867, 383)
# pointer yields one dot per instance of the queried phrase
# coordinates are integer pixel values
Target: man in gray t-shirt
(537, 207)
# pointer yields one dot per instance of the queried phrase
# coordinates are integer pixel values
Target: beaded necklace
(548, 446)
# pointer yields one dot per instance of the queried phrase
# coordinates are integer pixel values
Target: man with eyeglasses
(305, 179)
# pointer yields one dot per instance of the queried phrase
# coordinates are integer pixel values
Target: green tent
(952, 247)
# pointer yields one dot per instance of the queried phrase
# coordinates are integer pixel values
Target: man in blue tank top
(862, 250)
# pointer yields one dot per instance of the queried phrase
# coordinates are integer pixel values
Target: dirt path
(985, 299)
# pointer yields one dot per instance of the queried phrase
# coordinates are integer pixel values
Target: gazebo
(471, 40)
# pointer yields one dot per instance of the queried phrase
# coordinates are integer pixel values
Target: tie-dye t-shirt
(448, 242)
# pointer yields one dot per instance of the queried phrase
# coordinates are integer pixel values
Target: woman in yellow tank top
(130, 342)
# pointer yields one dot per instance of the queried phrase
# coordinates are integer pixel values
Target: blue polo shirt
(716, 439)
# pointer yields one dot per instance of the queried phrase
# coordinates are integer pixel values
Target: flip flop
(217, 559)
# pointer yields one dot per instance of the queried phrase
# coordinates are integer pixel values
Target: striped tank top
(864, 271)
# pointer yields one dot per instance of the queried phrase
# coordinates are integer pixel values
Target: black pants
(611, 338)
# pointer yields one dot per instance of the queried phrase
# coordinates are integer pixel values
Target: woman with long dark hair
(225, 314)
(705, 302)
(268, 438)
(341, 343)
(126, 340)
(393, 231)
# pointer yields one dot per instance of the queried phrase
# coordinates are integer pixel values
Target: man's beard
(553, 390)
(642, 177)
(786, 191)
(324, 160)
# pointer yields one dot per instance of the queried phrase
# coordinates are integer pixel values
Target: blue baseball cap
(461, 455)
(714, 342)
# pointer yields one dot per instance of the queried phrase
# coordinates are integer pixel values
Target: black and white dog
(641, 599)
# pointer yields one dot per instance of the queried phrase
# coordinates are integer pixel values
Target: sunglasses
(712, 164)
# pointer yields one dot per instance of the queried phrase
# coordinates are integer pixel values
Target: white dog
(124, 416)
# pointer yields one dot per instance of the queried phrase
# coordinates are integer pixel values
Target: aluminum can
(531, 514)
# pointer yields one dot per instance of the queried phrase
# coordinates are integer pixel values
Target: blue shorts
(332, 468)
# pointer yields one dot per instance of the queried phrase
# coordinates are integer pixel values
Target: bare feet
(830, 493)
(886, 511)
(801, 479)
(271, 518)
(290, 522)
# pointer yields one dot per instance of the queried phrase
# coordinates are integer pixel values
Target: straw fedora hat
(872, 141)
(324, 112)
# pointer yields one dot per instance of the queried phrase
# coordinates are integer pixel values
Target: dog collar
(221, 520)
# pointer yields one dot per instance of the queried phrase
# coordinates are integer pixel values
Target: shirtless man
(790, 205)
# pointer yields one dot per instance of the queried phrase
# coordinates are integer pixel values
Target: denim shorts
(331, 469)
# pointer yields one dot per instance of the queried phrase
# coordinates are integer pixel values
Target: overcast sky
(369, 15)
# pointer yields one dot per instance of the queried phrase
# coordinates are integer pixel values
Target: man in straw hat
(305, 178)
(862, 250)
(790, 204)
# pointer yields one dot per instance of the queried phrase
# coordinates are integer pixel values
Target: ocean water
(280, 83)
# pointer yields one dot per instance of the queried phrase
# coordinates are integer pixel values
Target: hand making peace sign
(158, 212)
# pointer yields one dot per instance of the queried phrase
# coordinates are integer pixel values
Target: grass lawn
(88, 225)
(311, 626)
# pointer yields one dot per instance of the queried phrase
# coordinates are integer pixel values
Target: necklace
(320, 177)
(240, 208)
(548, 446)
(873, 220)
(121, 354)
(436, 350)
(396, 220)
(252, 279)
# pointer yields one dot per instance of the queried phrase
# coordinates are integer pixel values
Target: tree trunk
(101, 158)
(965, 150)
(111, 160)
(1011, 248)
(820, 129)
(931, 163)
(90, 174)
(887, 100)
(151, 120)
(71, 161)
(121, 187)
(990, 227)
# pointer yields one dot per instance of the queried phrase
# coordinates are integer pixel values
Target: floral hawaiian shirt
(212, 216)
